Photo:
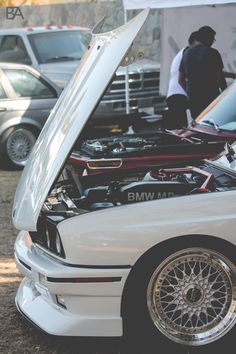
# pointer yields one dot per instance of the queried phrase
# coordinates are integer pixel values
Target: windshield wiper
(57, 58)
(211, 122)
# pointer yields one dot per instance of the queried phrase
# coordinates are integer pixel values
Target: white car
(100, 262)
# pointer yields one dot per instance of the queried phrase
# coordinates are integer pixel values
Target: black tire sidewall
(137, 322)
(3, 144)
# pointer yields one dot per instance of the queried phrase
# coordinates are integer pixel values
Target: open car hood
(70, 114)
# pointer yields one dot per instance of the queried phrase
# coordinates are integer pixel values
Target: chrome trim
(104, 167)
(191, 296)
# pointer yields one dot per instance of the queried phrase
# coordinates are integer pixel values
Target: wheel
(17, 144)
(191, 296)
(188, 297)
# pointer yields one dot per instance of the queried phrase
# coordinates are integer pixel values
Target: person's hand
(229, 74)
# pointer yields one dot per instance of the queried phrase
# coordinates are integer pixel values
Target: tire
(186, 296)
(17, 143)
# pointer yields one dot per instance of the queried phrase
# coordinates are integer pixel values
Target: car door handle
(3, 109)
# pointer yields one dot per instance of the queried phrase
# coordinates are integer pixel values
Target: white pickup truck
(56, 51)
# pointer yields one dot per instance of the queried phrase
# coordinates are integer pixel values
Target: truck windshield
(221, 113)
(59, 46)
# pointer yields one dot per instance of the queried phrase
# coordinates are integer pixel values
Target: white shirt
(174, 87)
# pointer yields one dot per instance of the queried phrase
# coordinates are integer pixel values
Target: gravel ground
(19, 336)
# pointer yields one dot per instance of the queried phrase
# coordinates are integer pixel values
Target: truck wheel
(17, 144)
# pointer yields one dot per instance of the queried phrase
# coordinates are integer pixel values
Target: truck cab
(56, 51)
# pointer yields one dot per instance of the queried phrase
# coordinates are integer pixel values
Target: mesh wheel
(19, 144)
(191, 296)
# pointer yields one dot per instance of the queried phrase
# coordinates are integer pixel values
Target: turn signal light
(104, 163)
(61, 301)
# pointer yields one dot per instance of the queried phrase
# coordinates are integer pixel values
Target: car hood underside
(73, 109)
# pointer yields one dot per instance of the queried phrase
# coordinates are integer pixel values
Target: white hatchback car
(99, 262)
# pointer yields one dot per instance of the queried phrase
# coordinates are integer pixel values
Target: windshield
(221, 113)
(59, 46)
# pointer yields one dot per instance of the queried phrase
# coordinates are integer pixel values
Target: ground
(19, 336)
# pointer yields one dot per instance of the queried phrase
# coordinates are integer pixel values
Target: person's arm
(219, 69)
(182, 80)
(222, 81)
(229, 74)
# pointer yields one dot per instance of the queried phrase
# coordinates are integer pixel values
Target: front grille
(137, 82)
(45, 236)
(143, 93)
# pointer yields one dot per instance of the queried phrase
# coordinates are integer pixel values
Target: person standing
(177, 100)
(201, 72)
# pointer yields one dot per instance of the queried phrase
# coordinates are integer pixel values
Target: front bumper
(90, 308)
(148, 101)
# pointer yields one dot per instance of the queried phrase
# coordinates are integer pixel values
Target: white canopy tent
(161, 4)
(180, 18)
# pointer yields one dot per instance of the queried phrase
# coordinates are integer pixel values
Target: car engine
(94, 192)
(73, 195)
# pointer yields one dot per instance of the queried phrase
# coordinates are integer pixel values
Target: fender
(19, 120)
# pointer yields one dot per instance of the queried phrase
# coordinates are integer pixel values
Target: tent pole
(126, 76)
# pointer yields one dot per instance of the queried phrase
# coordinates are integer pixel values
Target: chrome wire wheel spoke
(191, 296)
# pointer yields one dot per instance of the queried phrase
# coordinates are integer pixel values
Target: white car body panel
(68, 118)
(59, 73)
(105, 241)
(86, 323)
(113, 236)
(93, 309)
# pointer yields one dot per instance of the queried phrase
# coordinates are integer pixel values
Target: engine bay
(138, 150)
(162, 141)
(75, 195)
(126, 145)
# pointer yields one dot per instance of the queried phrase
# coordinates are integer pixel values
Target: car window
(12, 50)
(221, 111)
(27, 85)
(59, 46)
(2, 92)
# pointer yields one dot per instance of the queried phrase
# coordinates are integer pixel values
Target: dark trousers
(177, 116)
